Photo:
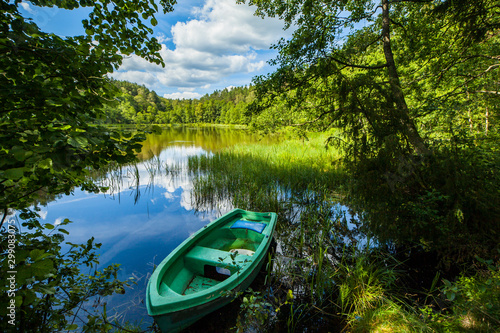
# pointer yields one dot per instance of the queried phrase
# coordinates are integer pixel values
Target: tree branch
(5, 210)
(314, 120)
(357, 66)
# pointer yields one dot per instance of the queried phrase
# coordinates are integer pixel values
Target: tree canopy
(52, 93)
(53, 89)
(139, 105)
(413, 86)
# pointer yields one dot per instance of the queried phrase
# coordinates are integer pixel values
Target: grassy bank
(327, 275)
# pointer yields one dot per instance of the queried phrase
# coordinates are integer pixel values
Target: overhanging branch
(357, 66)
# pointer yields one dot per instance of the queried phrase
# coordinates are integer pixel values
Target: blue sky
(207, 45)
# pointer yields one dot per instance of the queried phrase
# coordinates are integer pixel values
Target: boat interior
(217, 256)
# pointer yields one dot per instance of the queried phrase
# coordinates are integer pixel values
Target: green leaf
(46, 290)
(48, 226)
(19, 300)
(36, 254)
(78, 142)
(45, 164)
(65, 221)
(21, 154)
(154, 22)
(42, 268)
(15, 173)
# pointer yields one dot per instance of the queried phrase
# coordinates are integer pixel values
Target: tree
(52, 93)
(327, 44)
(53, 89)
(397, 78)
(315, 53)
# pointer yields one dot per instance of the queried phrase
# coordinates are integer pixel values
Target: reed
(296, 179)
(252, 174)
(322, 276)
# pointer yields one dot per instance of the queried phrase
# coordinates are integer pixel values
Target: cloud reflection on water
(146, 212)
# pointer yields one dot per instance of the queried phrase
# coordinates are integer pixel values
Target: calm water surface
(146, 213)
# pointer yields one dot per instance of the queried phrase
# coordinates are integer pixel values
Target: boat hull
(206, 271)
(177, 321)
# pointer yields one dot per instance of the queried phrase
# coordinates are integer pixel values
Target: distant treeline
(138, 105)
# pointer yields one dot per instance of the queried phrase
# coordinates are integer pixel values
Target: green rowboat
(195, 278)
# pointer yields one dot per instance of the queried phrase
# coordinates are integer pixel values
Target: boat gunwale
(155, 302)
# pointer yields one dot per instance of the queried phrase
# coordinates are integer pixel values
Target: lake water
(146, 213)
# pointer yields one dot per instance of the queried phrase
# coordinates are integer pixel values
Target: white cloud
(26, 7)
(134, 62)
(58, 221)
(139, 77)
(222, 39)
(162, 38)
(183, 95)
(187, 89)
(194, 68)
(43, 214)
(223, 26)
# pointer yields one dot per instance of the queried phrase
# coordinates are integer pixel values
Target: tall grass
(250, 175)
(322, 278)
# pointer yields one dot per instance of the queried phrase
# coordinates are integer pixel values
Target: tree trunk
(407, 125)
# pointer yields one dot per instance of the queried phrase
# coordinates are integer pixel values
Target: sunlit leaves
(53, 91)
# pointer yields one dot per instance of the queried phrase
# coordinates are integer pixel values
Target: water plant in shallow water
(339, 280)
(281, 178)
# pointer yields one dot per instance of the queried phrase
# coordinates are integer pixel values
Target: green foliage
(255, 310)
(475, 18)
(446, 203)
(51, 290)
(52, 93)
(136, 105)
(139, 105)
(416, 101)
(473, 302)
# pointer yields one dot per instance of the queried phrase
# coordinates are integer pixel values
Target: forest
(407, 91)
(138, 105)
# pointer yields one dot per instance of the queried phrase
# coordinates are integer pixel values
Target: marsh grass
(295, 179)
(319, 261)
(262, 176)
(326, 274)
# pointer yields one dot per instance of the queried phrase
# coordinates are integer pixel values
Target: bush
(473, 302)
(445, 202)
(45, 284)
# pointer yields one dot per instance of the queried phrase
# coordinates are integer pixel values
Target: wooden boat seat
(199, 256)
